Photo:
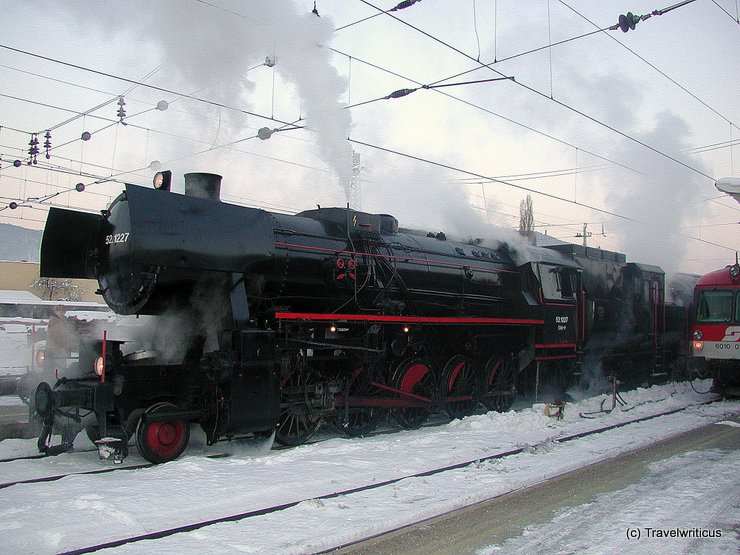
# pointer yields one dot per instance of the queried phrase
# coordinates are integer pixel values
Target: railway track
(53, 478)
(125, 466)
(346, 493)
(135, 466)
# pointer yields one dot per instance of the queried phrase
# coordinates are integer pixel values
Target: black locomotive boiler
(283, 322)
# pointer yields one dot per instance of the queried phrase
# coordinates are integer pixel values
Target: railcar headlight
(735, 270)
(698, 335)
(99, 366)
(40, 357)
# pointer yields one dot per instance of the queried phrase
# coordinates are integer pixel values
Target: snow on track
(80, 511)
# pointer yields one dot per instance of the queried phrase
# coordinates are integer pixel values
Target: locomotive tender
(288, 321)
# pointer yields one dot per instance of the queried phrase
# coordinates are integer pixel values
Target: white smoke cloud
(210, 48)
(661, 197)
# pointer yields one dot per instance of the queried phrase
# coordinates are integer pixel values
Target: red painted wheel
(162, 441)
(414, 376)
(499, 387)
(461, 385)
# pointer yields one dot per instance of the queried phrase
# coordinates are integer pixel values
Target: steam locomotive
(284, 322)
(715, 333)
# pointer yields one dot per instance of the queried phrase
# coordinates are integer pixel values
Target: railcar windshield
(716, 306)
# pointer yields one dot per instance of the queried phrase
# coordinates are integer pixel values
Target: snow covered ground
(697, 490)
(685, 504)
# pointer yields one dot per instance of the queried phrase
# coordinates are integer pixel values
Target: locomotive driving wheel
(415, 377)
(498, 376)
(297, 422)
(358, 421)
(161, 441)
(460, 386)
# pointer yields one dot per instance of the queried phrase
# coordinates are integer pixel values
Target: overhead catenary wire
(491, 112)
(475, 28)
(714, 146)
(558, 102)
(138, 83)
(90, 111)
(194, 154)
(110, 122)
(736, 17)
(490, 179)
(400, 6)
(641, 58)
(87, 113)
(400, 93)
(112, 178)
(436, 84)
(539, 222)
(377, 14)
(101, 105)
(540, 174)
(134, 84)
(97, 179)
(521, 187)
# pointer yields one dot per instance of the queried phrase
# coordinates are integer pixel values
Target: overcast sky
(626, 132)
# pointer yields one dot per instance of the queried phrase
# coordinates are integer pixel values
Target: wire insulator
(47, 144)
(400, 93)
(403, 5)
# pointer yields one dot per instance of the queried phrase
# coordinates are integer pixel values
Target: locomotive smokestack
(203, 185)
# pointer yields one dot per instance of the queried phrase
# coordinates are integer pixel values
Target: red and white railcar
(716, 328)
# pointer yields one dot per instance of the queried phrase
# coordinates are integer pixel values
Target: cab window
(557, 283)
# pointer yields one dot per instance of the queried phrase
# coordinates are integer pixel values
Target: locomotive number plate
(116, 238)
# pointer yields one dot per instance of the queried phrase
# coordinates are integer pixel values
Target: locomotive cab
(551, 285)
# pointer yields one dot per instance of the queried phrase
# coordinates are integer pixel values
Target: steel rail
(159, 534)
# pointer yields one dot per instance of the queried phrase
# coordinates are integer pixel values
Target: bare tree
(56, 289)
(526, 218)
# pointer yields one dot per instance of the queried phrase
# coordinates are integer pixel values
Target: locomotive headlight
(698, 335)
(162, 180)
(99, 366)
(735, 270)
